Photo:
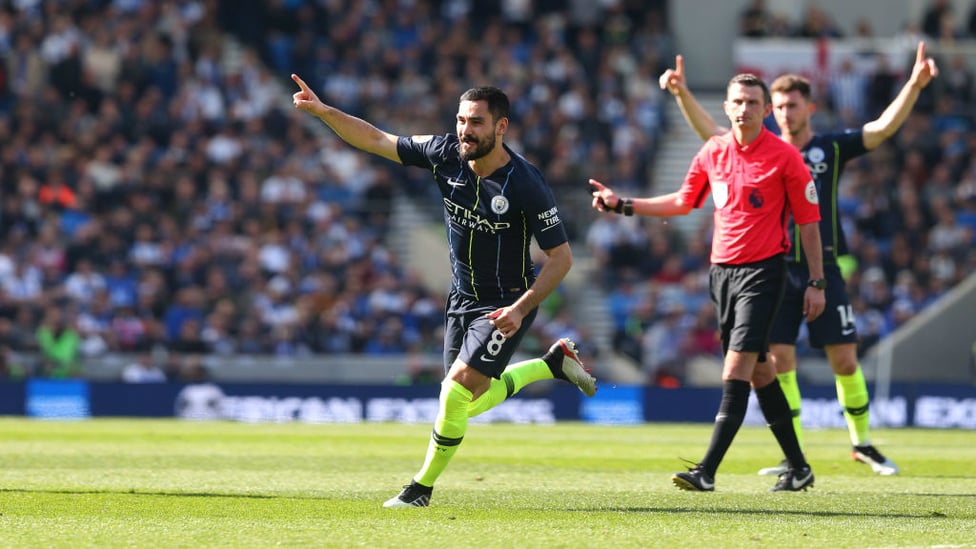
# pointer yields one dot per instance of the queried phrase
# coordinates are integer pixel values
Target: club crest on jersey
(499, 204)
(720, 193)
(816, 154)
(811, 193)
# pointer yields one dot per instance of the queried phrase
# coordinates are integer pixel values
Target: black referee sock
(731, 413)
(776, 410)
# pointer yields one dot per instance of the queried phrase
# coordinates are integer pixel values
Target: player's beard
(481, 149)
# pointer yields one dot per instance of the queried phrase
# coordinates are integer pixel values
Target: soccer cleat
(569, 367)
(794, 480)
(870, 455)
(775, 470)
(695, 480)
(413, 495)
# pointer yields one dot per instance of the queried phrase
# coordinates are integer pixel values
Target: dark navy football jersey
(490, 220)
(825, 156)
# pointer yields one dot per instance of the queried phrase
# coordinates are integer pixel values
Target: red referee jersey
(754, 188)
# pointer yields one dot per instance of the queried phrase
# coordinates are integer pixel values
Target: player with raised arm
(825, 154)
(494, 202)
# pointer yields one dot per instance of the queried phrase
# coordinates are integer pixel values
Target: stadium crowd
(159, 192)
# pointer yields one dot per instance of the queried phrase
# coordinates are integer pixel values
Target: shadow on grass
(151, 493)
(712, 510)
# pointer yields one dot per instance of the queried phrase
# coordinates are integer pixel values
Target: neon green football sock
(791, 389)
(449, 429)
(513, 379)
(852, 393)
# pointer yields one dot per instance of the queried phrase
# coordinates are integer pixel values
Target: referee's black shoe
(694, 479)
(794, 480)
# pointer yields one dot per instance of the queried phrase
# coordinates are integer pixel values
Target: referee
(756, 181)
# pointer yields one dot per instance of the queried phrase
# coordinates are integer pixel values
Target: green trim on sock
(449, 429)
(787, 381)
(852, 394)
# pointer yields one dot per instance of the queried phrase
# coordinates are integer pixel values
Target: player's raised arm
(924, 70)
(352, 130)
(695, 115)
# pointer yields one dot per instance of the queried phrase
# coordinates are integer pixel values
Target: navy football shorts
(835, 325)
(470, 338)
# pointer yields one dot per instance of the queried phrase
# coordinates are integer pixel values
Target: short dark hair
(497, 100)
(792, 83)
(750, 80)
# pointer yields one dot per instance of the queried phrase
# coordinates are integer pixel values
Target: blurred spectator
(817, 23)
(662, 343)
(59, 344)
(755, 20)
(190, 368)
(934, 15)
(881, 87)
(847, 89)
(11, 368)
(143, 369)
(957, 81)
(971, 22)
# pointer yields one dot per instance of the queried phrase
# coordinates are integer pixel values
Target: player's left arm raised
(875, 132)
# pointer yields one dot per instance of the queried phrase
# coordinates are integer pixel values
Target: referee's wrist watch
(818, 283)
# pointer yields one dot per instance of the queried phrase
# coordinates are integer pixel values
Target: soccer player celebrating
(756, 181)
(494, 203)
(825, 155)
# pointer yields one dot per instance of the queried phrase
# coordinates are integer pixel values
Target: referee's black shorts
(747, 298)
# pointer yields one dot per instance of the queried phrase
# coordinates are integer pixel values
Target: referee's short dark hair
(497, 100)
(750, 80)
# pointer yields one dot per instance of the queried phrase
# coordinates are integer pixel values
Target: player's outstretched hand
(305, 99)
(925, 68)
(673, 80)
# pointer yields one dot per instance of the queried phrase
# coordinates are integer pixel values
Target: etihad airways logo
(472, 220)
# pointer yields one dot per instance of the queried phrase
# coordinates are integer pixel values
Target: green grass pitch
(168, 483)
